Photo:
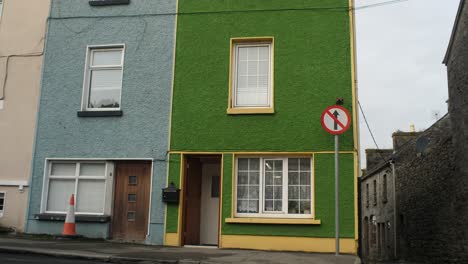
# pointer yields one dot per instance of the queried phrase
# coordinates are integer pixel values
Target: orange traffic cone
(69, 226)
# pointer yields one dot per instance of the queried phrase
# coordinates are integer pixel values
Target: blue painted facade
(147, 29)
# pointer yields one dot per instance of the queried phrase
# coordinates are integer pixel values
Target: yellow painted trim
(281, 221)
(244, 111)
(357, 162)
(280, 243)
(253, 110)
(221, 202)
(181, 203)
(259, 152)
(171, 239)
(233, 183)
(313, 186)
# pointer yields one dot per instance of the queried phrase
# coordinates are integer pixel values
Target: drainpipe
(392, 164)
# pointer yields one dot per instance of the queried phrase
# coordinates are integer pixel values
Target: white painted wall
(209, 207)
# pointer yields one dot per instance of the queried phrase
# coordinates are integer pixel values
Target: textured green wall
(172, 213)
(312, 69)
(312, 59)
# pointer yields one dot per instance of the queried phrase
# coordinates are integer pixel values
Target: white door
(210, 204)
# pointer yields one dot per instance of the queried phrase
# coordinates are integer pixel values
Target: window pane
(253, 76)
(305, 178)
(305, 193)
(59, 195)
(293, 192)
(242, 206)
(253, 192)
(273, 185)
(242, 192)
(293, 178)
(92, 169)
(305, 207)
(105, 89)
(90, 197)
(293, 164)
(305, 164)
(299, 190)
(243, 178)
(293, 207)
(63, 169)
(248, 188)
(254, 164)
(107, 57)
(243, 164)
(254, 177)
(253, 206)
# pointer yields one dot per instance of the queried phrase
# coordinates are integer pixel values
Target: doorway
(131, 201)
(201, 200)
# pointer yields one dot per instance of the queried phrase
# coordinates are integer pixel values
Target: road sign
(336, 119)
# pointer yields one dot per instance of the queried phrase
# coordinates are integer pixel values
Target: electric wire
(370, 131)
(330, 9)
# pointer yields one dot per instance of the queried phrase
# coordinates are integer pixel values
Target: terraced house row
(191, 122)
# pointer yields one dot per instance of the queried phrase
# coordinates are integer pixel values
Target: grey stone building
(430, 172)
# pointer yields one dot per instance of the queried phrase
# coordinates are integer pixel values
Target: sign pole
(337, 198)
(336, 120)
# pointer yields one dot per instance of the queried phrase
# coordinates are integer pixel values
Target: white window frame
(2, 212)
(280, 214)
(237, 45)
(90, 49)
(108, 183)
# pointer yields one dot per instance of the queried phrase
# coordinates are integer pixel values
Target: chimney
(375, 157)
(400, 138)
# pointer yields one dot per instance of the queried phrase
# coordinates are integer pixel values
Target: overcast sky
(401, 78)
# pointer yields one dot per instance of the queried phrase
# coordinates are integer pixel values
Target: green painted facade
(312, 67)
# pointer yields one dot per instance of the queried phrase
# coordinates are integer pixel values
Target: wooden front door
(131, 201)
(192, 202)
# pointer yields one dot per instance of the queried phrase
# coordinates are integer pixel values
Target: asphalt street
(39, 259)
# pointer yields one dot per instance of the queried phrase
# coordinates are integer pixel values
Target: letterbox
(170, 194)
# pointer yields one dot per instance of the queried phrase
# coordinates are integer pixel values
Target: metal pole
(337, 199)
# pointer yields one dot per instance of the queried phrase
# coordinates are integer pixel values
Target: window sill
(78, 218)
(108, 2)
(100, 113)
(273, 221)
(247, 111)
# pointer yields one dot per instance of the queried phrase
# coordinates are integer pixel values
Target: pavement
(114, 252)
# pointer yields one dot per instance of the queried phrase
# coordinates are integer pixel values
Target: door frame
(185, 157)
(114, 175)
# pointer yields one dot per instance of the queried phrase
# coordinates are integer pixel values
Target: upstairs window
(367, 195)
(252, 76)
(375, 192)
(103, 78)
(384, 193)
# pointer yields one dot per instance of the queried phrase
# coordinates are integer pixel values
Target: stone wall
(457, 70)
(426, 200)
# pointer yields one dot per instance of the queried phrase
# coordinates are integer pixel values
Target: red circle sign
(336, 119)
